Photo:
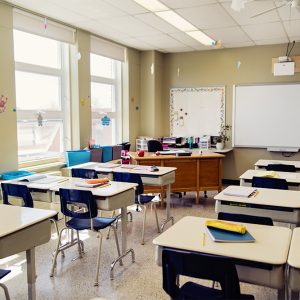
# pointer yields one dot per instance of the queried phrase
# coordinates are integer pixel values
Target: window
(42, 96)
(106, 100)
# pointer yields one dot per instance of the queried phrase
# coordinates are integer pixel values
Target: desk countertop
(268, 248)
(15, 218)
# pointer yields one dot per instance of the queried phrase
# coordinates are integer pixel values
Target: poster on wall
(197, 111)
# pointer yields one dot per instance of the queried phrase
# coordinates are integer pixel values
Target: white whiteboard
(266, 115)
(196, 111)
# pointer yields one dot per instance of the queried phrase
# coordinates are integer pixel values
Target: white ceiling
(128, 23)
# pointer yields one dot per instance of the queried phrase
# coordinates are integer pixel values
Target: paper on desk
(270, 174)
(46, 186)
(239, 191)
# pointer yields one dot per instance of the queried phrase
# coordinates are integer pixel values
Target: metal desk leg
(31, 275)
(242, 182)
(124, 250)
(169, 217)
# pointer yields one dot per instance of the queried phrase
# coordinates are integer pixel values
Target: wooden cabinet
(194, 173)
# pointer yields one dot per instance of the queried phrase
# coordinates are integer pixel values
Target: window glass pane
(37, 142)
(103, 135)
(102, 96)
(37, 91)
(36, 50)
(102, 66)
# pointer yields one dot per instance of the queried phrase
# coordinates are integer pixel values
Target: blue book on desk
(225, 236)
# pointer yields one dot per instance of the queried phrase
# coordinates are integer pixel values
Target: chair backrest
(16, 190)
(84, 173)
(79, 198)
(270, 183)
(245, 218)
(130, 177)
(281, 168)
(154, 145)
(199, 265)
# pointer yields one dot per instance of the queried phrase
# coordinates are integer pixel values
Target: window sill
(46, 165)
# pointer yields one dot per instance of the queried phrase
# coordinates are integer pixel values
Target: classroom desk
(280, 205)
(165, 176)
(22, 229)
(194, 173)
(266, 257)
(116, 195)
(293, 278)
(293, 179)
(262, 163)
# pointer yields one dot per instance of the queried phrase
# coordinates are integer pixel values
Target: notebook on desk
(224, 236)
(240, 191)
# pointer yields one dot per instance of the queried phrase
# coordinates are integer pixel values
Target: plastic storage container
(15, 174)
(76, 157)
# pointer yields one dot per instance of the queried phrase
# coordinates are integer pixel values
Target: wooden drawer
(209, 172)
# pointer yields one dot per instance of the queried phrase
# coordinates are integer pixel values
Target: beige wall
(219, 67)
(8, 119)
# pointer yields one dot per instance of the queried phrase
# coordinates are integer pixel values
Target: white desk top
(112, 189)
(294, 253)
(291, 177)
(265, 162)
(15, 218)
(268, 248)
(138, 169)
(272, 197)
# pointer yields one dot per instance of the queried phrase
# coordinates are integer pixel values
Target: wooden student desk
(22, 229)
(266, 257)
(293, 179)
(194, 173)
(279, 205)
(262, 163)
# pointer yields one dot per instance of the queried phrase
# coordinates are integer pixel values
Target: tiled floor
(140, 280)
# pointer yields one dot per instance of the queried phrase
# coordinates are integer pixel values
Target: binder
(224, 236)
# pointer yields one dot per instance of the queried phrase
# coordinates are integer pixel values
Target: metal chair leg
(117, 243)
(54, 222)
(156, 218)
(144, 221)
(108, 232)
(56, 252)
(5, 291)
(98, 260)
(79, 244)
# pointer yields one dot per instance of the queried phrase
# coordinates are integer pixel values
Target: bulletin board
(196, 111)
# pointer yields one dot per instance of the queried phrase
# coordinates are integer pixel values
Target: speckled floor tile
(139, 280)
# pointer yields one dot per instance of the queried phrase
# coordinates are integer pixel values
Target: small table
(262, 163)
(22, 229)
(293, 179)
(280, 205)
(266, 257)
(293, 279)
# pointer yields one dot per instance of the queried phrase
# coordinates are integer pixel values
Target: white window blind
(107, 49)
(42, 26)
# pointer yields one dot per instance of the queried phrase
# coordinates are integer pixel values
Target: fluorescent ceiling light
(152, 5)
(238, 5)
(176, 20)
(202, 38)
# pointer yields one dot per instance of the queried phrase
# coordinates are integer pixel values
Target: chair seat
(144, 199)
(82, 224)
(3, 273)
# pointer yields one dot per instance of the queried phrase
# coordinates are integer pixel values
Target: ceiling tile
(128, 6)
(137, 44)
(131, 26)
(228, 35)
(271, 41)
(252, 8)
(156, 22)
(186, 3)
(186, 39)
(292, 27)
(176, 50)
(289, 13)
(265, 31)
(207, 16)
(162, 41)
(237, 45)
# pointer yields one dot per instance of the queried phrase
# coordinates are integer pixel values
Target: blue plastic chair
(281, 168)
(245, 218)
(22, 191)
(84, 173)
(270, 183)
(83, 219)
(140, 198)
(203, 266)
(3, 273)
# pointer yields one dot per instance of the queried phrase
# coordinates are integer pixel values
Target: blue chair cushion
(82, 224)
(144, 199)
(3, 273)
